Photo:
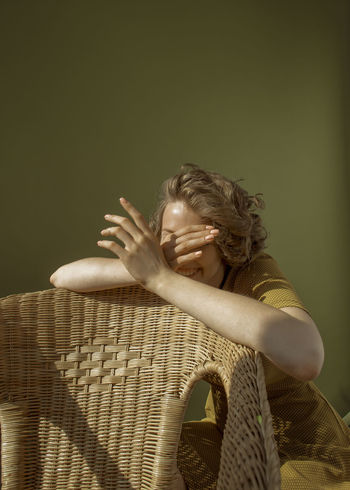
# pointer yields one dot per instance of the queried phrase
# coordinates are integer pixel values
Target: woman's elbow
(313, 365)
(54, 279)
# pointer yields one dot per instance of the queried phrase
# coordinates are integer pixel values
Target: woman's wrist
(156, 283)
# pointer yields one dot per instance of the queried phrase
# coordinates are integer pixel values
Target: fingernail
(198, 253)
(214, 232)
(209, 227)
(123, 200)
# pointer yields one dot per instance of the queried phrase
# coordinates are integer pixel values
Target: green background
(108, 98)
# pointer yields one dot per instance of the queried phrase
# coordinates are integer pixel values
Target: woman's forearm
(291, 344)
(92, 274)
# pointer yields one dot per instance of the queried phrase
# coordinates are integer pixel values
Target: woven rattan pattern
(100, 364)
(94, 388)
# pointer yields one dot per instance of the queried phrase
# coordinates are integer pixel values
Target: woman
(202, 248)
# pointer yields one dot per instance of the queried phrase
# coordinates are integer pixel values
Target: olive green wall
(107, 98)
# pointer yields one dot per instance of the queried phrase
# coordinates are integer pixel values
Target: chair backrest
(94, 388)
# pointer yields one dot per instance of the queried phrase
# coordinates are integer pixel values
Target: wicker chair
(94, 388)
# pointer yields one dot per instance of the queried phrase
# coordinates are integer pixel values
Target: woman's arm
(292, 343)
(92, 274)
(97, 273)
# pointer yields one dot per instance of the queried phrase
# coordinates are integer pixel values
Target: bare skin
(100, 273)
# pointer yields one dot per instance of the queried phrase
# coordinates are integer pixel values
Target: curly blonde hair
(221, 203)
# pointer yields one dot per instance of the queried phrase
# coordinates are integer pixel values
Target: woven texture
(94, 388)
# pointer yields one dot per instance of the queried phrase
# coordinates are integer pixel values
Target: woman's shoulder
(249, 271)
(262, 269)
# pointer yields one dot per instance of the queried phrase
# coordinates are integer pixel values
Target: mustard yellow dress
(313, 441)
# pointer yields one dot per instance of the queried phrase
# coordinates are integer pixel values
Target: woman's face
(209, 266)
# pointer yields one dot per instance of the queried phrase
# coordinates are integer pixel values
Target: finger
(190, 229)
(183, 259)
(113, 247)
(193, 244)
(172, 253)
(138, 217)
(171, 250)
(198, 235)
(125, 223)
(186, 233)
(121, 234)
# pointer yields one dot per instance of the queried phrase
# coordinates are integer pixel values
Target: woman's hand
(142, 256)
(176, 245)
